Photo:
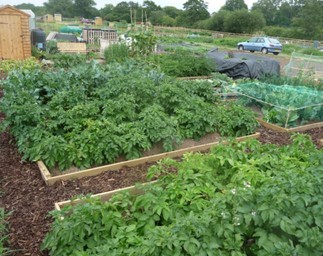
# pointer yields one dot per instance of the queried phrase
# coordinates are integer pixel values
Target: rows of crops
(241, 199)
(93, 114)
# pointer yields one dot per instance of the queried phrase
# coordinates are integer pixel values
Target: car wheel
(275, 53)
(264, 50)
(252, 51)
(241, 47)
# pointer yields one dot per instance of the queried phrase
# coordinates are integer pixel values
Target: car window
(261, 40)
(273, 41)
(253, 40)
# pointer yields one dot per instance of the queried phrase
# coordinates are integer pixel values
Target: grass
(3, 237)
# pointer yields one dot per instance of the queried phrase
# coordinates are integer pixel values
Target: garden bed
(29, 199)
(50, 180)
(228, 197)
(293, 129)
(285, 108)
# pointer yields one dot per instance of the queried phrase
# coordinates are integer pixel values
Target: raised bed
(293, 129)
(105, 196)
(50, 180)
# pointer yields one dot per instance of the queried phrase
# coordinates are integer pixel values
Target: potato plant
(245, 199)
(92, 114)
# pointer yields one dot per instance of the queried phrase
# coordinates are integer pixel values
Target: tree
(269, 9)
(121, 12)
(38, 10)
(285, 14)
(107, 11)
(216, 22)
(194, 10)
(242, 21)
(84, 8)
(64, 7)
(172, 12)
(233, 5)
(310, 20)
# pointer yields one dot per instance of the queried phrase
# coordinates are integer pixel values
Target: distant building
(58, 17)
(48, 18)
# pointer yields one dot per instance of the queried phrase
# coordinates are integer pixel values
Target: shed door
(11, 38)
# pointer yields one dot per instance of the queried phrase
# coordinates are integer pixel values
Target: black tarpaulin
(240, 65)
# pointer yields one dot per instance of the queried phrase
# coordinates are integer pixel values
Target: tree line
(285, 18)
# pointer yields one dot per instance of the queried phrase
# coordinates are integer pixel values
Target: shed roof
(2, 8)
(30, 12)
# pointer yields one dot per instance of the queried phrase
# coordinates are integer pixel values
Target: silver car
(261, 44)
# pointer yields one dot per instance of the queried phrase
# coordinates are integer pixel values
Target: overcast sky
(214, 5)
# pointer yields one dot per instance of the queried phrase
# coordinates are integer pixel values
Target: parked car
(261, 44)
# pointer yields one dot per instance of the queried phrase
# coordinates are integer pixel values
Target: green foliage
(27, 64)
(302, 79)
(3, 236)
(116, 52)
(245, 198)
(194, 10)
(65, 60)
(243, 21)
(51, 47)
(284, 105)
(93, 114)
(228, 41)
(233, 5)
(143, 44)
(182, 63)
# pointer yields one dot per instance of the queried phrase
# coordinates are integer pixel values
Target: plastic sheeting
(241, 65)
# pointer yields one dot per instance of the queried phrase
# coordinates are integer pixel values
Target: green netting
(284, 104)
(304, 65)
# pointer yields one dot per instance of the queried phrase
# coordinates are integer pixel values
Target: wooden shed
(14, 34)
(98, 21)
(48, 18)
(58, 17)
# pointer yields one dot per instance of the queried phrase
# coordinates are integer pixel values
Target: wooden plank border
(104, 196)
(271, 126)
(294, 129)
(50, 180)
(194, 77)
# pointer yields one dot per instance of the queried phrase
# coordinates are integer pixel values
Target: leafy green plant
(3, 236)
(116, 52)
(27, 64)
(51, 47)
(301, 79)
(182, 63)
(245, 198)
(143, 44)
(65, 60)
(93, 113)
(285, 105)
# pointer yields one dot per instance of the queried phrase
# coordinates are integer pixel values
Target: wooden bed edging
(50, 180)
(104, 196)
(294, 129)
(194, 77)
